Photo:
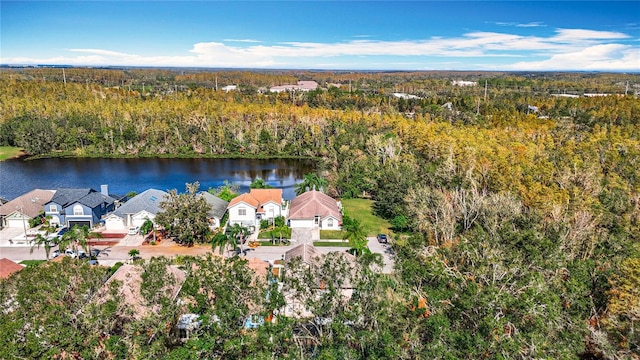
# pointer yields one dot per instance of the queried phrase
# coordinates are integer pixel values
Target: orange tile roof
(266, 195)
(258, 197)
(246, 198)
(8, 267)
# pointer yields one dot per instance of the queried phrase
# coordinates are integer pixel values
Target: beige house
(315, 209)
(258, 204)
(17, 212)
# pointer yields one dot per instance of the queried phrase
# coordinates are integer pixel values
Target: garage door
(17, 223)
(114, 223)
(79, 223)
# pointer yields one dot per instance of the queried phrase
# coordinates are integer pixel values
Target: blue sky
(354, 35)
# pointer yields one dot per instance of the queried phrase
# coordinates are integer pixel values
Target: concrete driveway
(304, 235)
(386, 251)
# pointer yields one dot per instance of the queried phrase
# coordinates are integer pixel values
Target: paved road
(109, 255)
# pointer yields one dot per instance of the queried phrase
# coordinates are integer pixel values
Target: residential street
(109, 255)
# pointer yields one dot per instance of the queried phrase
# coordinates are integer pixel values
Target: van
(134, 230)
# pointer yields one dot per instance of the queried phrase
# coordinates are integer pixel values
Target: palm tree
(354, 233)
(133, 253)
(41, 240)
(239, 232)
(221, 241)
(77, 236)
(311, 181)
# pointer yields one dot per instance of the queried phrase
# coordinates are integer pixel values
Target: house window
(77, 210)
(53, 208)
(329, 222)
(242, 212)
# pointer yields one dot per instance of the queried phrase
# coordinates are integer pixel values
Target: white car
(134, 230)
(75, 254)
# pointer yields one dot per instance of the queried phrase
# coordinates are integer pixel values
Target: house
(229, 88)
(318, 272)
(17, 212)
(134, 303)
(8, 267)
(218, 208)
(301, 86)
(83, 207)
(315, 209)
(136, 211)
(307, 253)
(258, 204)
(464, 83)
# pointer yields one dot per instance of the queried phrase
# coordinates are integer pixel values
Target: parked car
(75, 254)
(55, 254)
(134, 230)
(382, 238)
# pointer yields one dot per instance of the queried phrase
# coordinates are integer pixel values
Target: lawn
(9, 152)
(361, 209)
(331, 243)
(332, 234)
(270, 234)
(32, 262)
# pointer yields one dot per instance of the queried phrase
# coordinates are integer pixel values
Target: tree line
(520, 228)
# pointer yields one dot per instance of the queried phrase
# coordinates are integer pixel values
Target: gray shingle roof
(84, 196)
(148, 200)
(218, 206)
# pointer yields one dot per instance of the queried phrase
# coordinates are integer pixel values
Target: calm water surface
(123, 175)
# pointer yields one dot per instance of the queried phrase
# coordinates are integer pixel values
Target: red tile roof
(314, 203)
(258, 197)
(245, 198)
(8, 267)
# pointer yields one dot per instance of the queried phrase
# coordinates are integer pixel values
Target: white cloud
(567, 49)
(606, 57)
(523, 25)
(242, 40)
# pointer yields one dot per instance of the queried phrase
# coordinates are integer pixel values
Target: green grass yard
(9, 152)
(361, 209)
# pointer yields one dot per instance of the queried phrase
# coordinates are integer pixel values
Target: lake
(124, 175)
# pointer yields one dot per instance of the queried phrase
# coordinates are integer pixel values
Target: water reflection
(124, 175)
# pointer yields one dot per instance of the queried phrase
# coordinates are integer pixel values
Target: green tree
(226, 192)
(44, 240)
(184, 216)
(221, 241)
(311, 181)
(146, 227)
(259, 183)
(354, 233)
(77, 237)
(134, 253)
(239, 232)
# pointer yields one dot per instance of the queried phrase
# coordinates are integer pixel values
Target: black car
(382, 238)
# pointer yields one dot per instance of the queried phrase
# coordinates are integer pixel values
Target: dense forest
(517, 211)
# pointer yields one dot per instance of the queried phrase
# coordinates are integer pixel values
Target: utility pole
(626, 88)
(485, 90)
(64, 77)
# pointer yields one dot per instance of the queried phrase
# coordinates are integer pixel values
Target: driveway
(304, 235)
(386, 251)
